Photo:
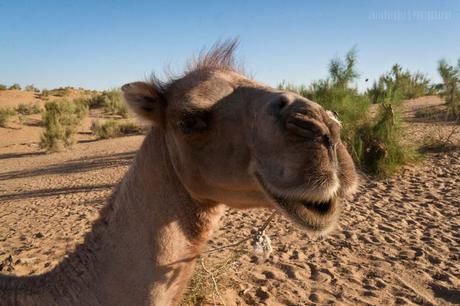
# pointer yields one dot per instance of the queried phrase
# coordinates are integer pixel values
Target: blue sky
(104, 44)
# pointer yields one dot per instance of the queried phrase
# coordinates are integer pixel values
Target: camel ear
(145, 100)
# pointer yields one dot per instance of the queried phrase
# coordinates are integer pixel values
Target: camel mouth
(318, 216)
(320, 207)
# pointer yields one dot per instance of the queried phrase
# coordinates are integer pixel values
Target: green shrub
(383, 90)
(28, 109)
(373, 142)
(114, 103)
(31, 88)
(451, 86)
(5, 115)
(15, 86)
(399, 82)
(378, 145)
(343, 72)
(61, 119)
(3, 87)
(113, 128)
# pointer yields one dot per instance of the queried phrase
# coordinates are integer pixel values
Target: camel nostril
(281, 104)
(277, 108)
(327, 140)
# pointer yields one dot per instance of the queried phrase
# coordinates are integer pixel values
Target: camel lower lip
(313, 216)
(321, 207)
(317, 216)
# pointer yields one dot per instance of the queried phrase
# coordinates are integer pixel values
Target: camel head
(234, 141)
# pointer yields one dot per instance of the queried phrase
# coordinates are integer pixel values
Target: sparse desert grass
(5, 115)
(440, 141)
(440, 113)
(60, 92)
(28, 109)
(61, 119)
(114, 128)
(95, 101)
(208, 280)
(373, 141)
(114, 103)
(57, 92)
(44, 95)
(111, 100)
(427, 113)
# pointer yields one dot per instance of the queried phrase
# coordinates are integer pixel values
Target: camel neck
(158, 230)
(143, 247)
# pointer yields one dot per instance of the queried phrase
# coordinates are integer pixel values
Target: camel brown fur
(218, 138)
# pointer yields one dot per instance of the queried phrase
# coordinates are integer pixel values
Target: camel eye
(192, 124)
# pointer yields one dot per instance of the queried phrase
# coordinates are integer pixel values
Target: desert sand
(397, 243)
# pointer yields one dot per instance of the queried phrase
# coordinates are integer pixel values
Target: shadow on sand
(20, 155)
(73, 166)
(54, 191)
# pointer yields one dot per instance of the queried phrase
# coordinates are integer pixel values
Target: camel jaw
(314, 216)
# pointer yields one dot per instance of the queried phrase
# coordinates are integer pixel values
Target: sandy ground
(398, 242)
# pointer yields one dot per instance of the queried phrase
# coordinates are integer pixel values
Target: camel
(218, 139)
